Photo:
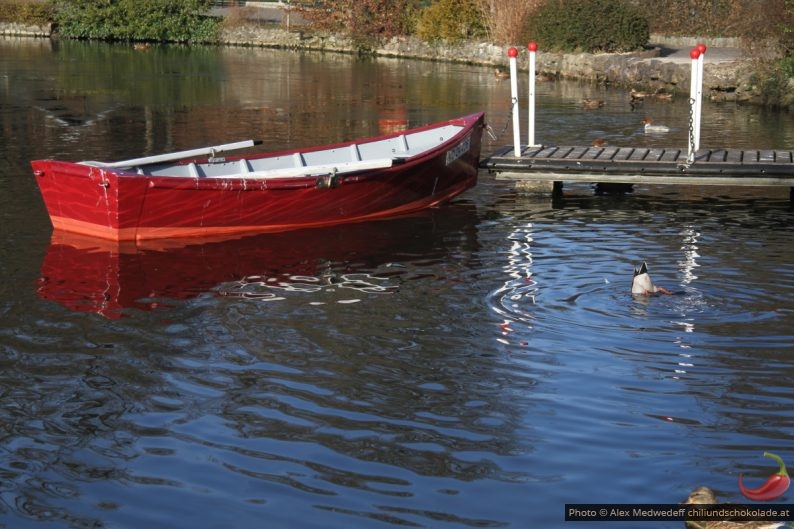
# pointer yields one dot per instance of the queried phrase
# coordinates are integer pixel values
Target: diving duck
(642, 283)
(706, 496)
(600, 142)
(592, 103)
(650, 127)
(501, 74)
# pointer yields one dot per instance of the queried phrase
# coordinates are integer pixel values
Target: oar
(173, 156)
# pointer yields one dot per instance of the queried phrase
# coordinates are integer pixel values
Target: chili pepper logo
(775, 486)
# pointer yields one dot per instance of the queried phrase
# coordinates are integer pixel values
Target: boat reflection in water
(94, 275)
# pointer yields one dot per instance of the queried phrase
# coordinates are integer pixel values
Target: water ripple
(480, 365)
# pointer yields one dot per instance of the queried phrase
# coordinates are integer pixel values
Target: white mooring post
(702, 49)
(512, 53)
(533, 48)
(693, 92)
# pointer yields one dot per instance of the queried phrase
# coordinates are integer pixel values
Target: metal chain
(692, 127)
(509, 117)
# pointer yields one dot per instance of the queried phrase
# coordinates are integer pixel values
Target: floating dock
(634, 165)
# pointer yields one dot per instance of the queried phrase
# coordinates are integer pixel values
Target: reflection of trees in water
(170, 76)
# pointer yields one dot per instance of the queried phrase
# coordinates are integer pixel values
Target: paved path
(713, 55)
(263, 14)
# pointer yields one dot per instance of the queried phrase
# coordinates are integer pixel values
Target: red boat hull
(122, 206)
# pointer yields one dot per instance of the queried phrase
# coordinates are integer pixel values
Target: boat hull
(121, 205)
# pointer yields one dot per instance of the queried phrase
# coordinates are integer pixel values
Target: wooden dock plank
(531, 151)
(592, 153)
(671, 155)
(718, 155)
(734, 156)
(563, 152)
(547, 152)
(608, 153)
(578, 152)
(623, 153)
(638, 154)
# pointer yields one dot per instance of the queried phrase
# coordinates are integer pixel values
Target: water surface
(478, 365)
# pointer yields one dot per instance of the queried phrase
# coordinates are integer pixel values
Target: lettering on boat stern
(459, 150)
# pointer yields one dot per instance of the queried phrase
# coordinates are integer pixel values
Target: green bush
(775, 80)
(589, 26)
(152, 20)
(26, 12)
(787, 67)
(451, 20)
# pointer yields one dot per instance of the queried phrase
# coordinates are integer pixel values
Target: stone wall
(25, 30)
(728, 80)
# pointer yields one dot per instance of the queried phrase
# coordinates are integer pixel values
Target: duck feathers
(642, 284)
(706, 496)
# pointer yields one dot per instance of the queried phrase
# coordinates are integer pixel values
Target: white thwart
(310, 170)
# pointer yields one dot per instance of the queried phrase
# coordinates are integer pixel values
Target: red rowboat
(196, 193)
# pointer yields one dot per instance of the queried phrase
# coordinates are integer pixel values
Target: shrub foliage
(26, 12)
(723, 18)
(505, 19)
(589, 26)
(368, 22)
(152, 20)
(451, 20)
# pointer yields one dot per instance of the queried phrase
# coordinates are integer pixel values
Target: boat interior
(365, 155)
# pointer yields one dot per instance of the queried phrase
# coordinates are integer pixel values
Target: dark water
(479, 365)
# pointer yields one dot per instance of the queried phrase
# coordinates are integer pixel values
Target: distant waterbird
(592, 103)
(663, 96)
(650, 127)
(499, 73)
(636, 98)
(636, 95)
